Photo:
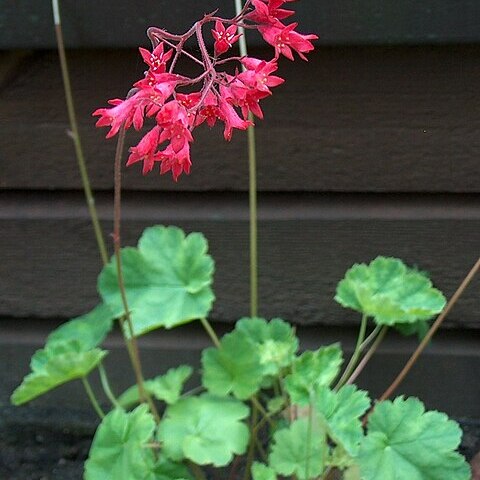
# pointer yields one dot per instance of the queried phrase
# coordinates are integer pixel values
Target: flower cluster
(230, 98)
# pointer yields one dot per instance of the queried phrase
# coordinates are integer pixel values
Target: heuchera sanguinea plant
(264, 409)
(228, 89)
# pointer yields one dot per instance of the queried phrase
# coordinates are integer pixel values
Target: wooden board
(351, 119)
(442, 377)
(24, 23)
(307, 242)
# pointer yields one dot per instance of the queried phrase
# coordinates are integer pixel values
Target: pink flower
(145, 150)
(209, 111)
(284, 39)
(156, 60)
(174, 120)
(231, 118)
(176, 162)
(224, 38)
(270, 13)
(258, 75)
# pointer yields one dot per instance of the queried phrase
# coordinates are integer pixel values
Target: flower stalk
(125, 320)
(75, 135)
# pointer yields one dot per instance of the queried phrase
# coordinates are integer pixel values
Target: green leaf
(275, 341)
(420, 329)
(51, 367)
(205, 429)
(341, 412)
(234, 367)
(167, 280)
(289, 451)
(166, 387)
(165, 469)
(312, 370)
(262, 472)
(89, 330)
(406, 443)
(353, 473)
(389, 292)
(119, 447)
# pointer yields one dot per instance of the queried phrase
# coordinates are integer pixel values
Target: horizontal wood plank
(24, 23)
(353, 119)
(442, 377)
(307, 242)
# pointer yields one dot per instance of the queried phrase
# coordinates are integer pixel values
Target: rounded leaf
(404, 442)
(167, 280)
(55, 365)
(205, 429)
(119, 447)
(389, 292)
(234, 367)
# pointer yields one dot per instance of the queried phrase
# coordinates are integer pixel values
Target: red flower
(231, 118)
(156, 60)
(224, 38)
(145, 150)
(270, 13)
(176, 162)
(284, 39)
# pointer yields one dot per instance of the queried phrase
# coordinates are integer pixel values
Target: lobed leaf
(167, 280)
(55, 365)
(262, 472)
(205, 430)
(312, 370)
(341, 412)
(404, 442)
(89, 330)
(275, 341)
(389, 292)
(166, 387)
(290, 455)
(119, 447)
(234, 367)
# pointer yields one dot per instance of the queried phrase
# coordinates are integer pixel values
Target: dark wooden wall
(364, 151)
(372, 147)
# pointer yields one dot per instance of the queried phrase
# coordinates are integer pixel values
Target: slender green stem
(211, 332)
(356, 353)
(411, 362)
(126, 320)
(106, 386)
(368, 355)
(93, 399)
(371, 337)
(253, 438)
(252, 168)
(76, 135)
(260, 408)
(308, 446)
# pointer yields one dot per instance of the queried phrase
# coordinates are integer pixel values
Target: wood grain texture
(24, 23)
(353, 119)
(442, 378)
(306, 244)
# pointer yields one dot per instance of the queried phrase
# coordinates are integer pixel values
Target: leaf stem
(421, 347)
(211, 332)
(309, 441)
(251, 447)
(129, 337)
(252, 189)
(93, 399)
(106, 386)
(76, 135)
(197, 471)
(368, 355)
(356, 353)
